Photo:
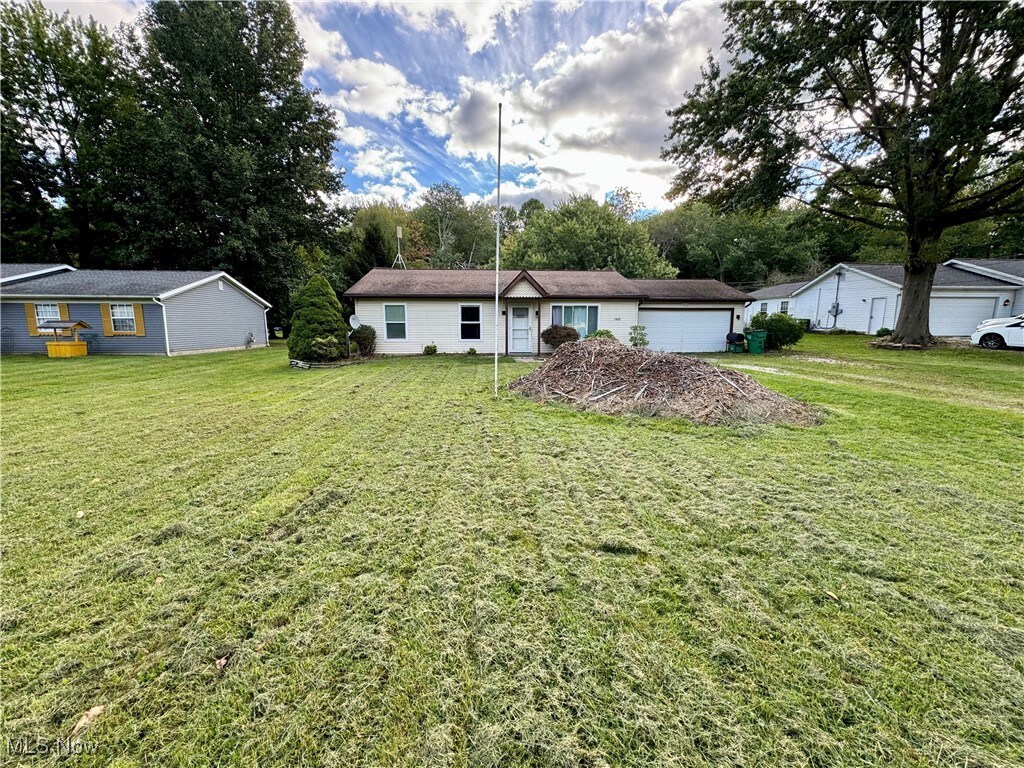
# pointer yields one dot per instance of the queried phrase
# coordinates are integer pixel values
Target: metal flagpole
(497, 257)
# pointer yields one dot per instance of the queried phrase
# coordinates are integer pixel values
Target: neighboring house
(454, 309)
(772, 300)
(154, 312)
(868, 296)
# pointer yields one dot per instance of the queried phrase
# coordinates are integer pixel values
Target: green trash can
(756, 341)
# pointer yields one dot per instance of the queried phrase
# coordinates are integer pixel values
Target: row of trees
(187, 141)
(877, 132)
(745, 248)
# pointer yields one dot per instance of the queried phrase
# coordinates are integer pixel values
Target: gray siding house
(131, 312)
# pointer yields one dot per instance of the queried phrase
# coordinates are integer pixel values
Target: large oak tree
(902, 116)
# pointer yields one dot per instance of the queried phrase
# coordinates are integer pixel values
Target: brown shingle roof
(463, 283)
(689, 290)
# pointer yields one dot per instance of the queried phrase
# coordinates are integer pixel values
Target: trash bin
(735, 342)
(756, 341)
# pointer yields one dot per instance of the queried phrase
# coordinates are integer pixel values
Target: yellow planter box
(66, 349)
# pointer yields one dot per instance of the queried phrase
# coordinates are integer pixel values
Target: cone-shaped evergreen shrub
(317, 315)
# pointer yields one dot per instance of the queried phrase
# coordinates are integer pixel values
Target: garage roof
(780, 291)
(945, 277)
(689, 290)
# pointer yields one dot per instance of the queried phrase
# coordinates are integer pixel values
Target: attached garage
(689, 315)
(960, 315)
(686, 330)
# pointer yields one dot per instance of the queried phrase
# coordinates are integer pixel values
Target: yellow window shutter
(30, 319)
(140, 322)
(63, 309)
(108, 327)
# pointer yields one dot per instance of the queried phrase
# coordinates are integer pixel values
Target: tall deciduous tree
(443, 207)
(63, 90)
(232, 156)
(582, 234)
(902, 116)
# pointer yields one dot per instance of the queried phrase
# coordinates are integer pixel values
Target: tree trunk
(918, 276)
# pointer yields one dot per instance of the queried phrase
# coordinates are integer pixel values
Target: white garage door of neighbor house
(686, 330)
(959, 317)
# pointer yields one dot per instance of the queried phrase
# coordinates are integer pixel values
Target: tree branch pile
(606, 376)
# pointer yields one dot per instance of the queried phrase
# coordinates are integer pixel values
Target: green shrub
(638, 336)
(365, 337)
(325, 349)
(430, 349)
(783, 330)
(317, 315)
(840, 332)
(471, 351)
(883, 332)
(601, 333)
(557, 335)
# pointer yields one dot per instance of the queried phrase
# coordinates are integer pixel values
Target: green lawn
(404, 572)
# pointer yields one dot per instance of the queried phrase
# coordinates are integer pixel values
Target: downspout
(538, 327)
(167, 339)
(266, 326)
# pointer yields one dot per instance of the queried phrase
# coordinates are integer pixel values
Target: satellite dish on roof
(354, 322)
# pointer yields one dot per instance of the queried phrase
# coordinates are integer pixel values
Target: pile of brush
(606, 376)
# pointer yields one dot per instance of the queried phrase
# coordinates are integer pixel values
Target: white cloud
(567, 6)
(478, 19)
(109, 14)
(596, 118)
(378, 162)
(354, 135)
(324, 47)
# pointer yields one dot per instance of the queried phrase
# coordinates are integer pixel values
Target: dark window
(469, 322)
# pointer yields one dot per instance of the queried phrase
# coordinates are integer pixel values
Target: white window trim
(784, 309)
(46, 304)
(405, 322)
(764, 308)
(134, 329)
(480, 307)
(588, 306)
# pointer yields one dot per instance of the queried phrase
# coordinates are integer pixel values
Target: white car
(1000, 332)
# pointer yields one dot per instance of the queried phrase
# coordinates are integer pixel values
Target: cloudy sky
(585, 86)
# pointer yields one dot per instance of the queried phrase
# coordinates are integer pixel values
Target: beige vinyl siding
(430, 321)
(523, 290)
(615, 315)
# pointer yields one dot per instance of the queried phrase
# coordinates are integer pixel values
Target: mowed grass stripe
(404, 572)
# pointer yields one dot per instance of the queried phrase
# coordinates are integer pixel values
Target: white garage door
(686, 330)
(959, 317)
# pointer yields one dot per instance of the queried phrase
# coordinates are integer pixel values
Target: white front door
(877, 315)
(521, 341)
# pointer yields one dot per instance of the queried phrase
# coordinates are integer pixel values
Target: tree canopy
(906, 117)
(190, 143)
(583, 234)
